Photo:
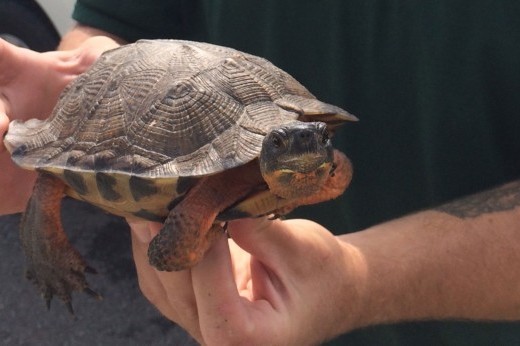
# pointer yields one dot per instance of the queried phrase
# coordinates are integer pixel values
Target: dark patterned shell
(163, 109)
(134, 133)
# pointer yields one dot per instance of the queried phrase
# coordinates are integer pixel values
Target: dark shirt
(435, 84)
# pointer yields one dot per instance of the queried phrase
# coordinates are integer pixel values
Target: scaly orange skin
(187, 232)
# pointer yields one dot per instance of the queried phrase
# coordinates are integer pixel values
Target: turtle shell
(149, 117)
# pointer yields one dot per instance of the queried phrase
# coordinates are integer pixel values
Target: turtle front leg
(181, 243)
(189, 229)
(53, 265)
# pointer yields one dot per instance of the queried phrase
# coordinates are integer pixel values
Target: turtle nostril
(304, 135)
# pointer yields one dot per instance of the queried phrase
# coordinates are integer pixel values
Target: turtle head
(296, 159)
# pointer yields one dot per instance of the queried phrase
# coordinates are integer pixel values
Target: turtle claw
(48, 295)
(70, 309)
(60, 282)
(274, 216)
(93, 293)
(48, 303)
(224, 228)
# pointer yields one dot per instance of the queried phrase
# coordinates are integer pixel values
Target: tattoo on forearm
(503, 198)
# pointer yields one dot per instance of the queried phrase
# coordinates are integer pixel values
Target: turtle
(190, 134)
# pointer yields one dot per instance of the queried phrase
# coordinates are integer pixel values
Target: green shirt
(435, 83)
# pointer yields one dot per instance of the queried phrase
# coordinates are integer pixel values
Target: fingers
(233, 297)
(225, 316)
(77, 58)
(213, 280)
(235, 304)
(149, 281)
(273, 242)
(170, 292)
(274, 251)
(4, 124)
(94, 46)
(261, 237)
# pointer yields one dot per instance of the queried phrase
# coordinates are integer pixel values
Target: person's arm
(458, 261)
(293, 282)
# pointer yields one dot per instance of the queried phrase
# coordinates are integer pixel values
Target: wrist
(403, 269)
(398, 268)
(354, 283)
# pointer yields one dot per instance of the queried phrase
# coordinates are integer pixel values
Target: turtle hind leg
(53, 265)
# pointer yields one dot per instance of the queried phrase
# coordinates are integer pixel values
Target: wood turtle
(189, 134)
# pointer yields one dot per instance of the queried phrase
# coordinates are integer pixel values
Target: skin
(293, 282)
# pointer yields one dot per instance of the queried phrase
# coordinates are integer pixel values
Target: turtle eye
(277, 141)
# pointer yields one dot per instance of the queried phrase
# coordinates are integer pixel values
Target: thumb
(143, 230)
(273, 242)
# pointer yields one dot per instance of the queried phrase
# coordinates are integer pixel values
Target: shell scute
(147, 120)
(165, 108)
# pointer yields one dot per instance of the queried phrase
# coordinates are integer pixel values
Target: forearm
(457, 262)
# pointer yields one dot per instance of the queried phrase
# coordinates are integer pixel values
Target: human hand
(30, 84)
(275, 282)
